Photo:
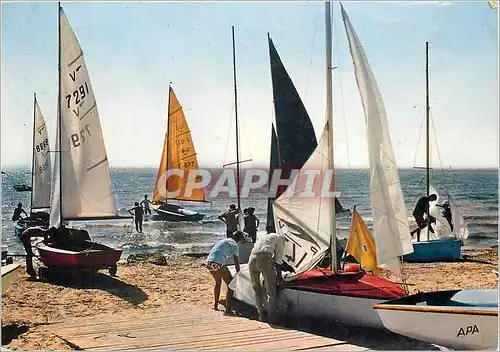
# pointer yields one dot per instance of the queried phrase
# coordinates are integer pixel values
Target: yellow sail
(361, 244)
(178, 153)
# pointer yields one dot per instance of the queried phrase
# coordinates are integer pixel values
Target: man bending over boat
(266, 258)
(26, 237)
(216, 264)
(421, 209)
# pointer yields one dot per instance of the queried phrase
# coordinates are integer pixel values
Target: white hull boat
(10, 273)
(324, 299)
(457, 319)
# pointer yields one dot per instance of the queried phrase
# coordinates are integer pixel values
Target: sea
(474, 191)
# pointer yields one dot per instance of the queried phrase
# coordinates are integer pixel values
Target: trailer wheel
(41, 275)
(112, 270)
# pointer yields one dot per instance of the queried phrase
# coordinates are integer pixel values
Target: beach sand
(30, 306)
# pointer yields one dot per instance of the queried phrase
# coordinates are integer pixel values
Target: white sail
(40, 196)
(392, 233)
(305, 221)
(85, 179)
(442, 227)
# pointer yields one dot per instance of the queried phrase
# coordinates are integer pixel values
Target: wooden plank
(187, 329)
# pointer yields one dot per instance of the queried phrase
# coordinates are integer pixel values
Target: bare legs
(222, 274)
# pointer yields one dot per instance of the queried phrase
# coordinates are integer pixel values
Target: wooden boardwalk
(189, 329)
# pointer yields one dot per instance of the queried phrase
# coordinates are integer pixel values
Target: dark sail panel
(273, 165)
(296, 137)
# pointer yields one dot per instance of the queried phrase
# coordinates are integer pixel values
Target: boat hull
(174, 213)
(10, 273)
(456, 325)
(93, 256)
(333, 298)
(437, 250)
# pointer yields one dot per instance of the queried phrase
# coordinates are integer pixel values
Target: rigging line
(422, 122)
(344, 119)
(438, 153)
(243, 127)
(312, 53)
(227, 133)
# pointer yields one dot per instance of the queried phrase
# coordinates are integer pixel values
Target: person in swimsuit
(137, 213)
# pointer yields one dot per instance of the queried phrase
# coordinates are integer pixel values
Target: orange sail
(178, 154)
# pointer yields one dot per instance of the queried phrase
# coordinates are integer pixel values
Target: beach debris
(152, 258)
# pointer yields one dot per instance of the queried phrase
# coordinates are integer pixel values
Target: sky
(133, 50)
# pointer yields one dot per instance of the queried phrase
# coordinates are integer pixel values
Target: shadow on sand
(80, 279)
(12, 331)
(364, 337)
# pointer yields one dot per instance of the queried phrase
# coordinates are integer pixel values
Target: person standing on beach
(421, 209)
(137, 213)
(230, 218)
(216, 264)
(266, 258)
(145, 203)
(251, 224)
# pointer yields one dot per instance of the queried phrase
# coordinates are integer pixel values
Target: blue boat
(434, 251)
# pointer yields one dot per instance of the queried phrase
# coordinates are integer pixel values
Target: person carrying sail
(230, 218)
(216, 264)
(18, 211)
(421, 209)
(137, 213)
(145, 203)
(266, 258)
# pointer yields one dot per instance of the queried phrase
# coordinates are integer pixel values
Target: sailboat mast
(329, 116)
(168, 141)
(237, 132)
(427, 153)
(59, 117)
(33, 151)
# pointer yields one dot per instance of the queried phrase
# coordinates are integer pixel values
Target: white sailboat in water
(82, 183)
(308, 224)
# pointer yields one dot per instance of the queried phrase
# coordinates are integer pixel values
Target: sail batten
(391, 228)
(83, 186)
(178, 154)
(41, 168)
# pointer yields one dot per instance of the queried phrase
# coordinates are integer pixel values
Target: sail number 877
(78, 94)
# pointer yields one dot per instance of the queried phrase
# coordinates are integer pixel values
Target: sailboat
(82, 182)
(444, 244)
(40, 175)
(178, 154)
(308, 224)
(293, 139)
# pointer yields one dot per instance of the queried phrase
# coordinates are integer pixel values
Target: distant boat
(40, 175)
(83, 189)
(458, 319)
(448, 244)
(23, 188)
(178, 153)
